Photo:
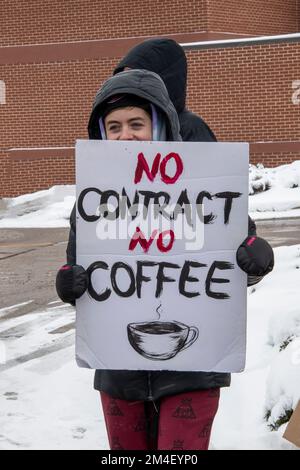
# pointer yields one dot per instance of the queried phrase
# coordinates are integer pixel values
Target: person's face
(129, 123)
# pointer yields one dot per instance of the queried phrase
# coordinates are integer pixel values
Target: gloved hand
(255, 256)
(71, 282)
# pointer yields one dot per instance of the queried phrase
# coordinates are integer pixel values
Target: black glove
(71, 282)
(255, 256)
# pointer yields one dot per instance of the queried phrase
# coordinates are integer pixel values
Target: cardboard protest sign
(292, 431)
(158, 226)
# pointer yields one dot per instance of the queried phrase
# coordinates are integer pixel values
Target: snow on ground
(47, 402)
(271, 381)
(274, 193)
(47, 208)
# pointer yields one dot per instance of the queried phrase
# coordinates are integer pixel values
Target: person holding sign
(148, 410)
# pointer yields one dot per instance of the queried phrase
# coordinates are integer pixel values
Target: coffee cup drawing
(161, 340)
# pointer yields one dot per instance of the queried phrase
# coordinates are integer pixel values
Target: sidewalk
(279, 232)
(29, 259)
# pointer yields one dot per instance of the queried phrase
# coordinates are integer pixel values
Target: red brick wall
(21, 174)
(44, 21)
(255, 17)
(37, 173)
(5, 189)
(275, 158)
(48, 104)
(245, 93)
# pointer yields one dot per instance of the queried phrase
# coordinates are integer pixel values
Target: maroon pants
(178, 422)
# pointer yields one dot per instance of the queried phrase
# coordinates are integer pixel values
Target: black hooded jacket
(167, 58)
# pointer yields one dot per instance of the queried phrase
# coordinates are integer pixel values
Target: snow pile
(254, 411)
(283, 383)
(284, 176)
(274, 192)
(259, 179)
(47, 208)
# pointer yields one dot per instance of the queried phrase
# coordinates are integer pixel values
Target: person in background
(149, 410)
(167, 58)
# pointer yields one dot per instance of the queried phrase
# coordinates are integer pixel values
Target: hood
(147, 85)
(164, 57)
